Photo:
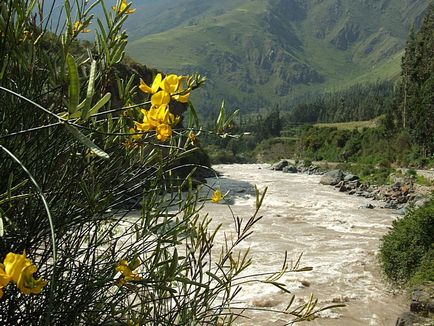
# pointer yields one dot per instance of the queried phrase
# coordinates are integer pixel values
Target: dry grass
(351, 125)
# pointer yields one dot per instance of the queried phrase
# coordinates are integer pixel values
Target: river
(337, 235)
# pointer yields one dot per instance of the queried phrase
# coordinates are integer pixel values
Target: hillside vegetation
(257, 54)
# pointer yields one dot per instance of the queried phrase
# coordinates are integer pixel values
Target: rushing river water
(337, 236)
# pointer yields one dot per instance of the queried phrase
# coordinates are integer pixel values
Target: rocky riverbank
(400, 195)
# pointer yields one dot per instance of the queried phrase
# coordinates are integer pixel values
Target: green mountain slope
(259, 53)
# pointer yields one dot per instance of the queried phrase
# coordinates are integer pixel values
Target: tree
(417, 105)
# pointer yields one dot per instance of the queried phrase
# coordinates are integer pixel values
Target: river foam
(337, 237)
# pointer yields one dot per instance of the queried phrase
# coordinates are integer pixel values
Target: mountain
(262, 53)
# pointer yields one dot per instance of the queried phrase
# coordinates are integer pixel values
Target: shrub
(404, 247)
(425, 272)
(89, 198)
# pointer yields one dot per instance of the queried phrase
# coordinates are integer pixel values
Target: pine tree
(417, 107)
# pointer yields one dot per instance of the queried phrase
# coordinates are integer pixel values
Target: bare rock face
(332, 178)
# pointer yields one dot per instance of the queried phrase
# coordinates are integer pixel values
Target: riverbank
(403, 193)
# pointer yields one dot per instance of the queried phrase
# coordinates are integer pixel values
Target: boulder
(350, 177)
(368, 206)
(280, 165)
(290, 169)
(332, 178)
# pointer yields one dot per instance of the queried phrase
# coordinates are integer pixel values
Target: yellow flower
(171, 83)
(165, 117)
(126, 271)
(182, 97)
(150, 121)
(4, 279)
(216, 196)
(157, 118)
(164, 131)
(160, 98)
(154, 117)
(193, 138)
(79, 27)
(135, 135)
(20, 270)
(154, 87)
(122, 7)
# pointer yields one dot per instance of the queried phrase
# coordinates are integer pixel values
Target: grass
(352, 125)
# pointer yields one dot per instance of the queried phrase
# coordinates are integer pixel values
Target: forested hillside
(258, 54)
(387, 122)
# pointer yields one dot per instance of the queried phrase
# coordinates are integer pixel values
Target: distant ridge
(262, 53)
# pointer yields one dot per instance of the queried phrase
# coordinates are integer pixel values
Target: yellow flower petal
(216, 196)
(181, 95)
(14, 265)
(144, 87)
(4, 278)
(122, 7)
(182, 98)
(27, 284)
(160, 98)
(79, 27)
(171, 84)
(156, 84)
(164, 131)
(127, 274)
(135, 135)
(20, 270)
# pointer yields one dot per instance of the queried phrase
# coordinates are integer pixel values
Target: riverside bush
(403, 249)
(83, 145)
(425, 272)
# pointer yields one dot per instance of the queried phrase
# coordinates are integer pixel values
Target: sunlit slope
(260, 53)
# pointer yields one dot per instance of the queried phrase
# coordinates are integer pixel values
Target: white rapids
(338, 237)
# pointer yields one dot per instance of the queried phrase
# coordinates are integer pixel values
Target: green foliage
(403, 249)
(274, 149)
(417, 105)
(357, 103)
(425, 271)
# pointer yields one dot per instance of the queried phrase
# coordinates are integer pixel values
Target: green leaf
(86, 141)
(279, 285)
(99, 105)
(2, 230)
(173, 264)
(74, 84)
(10, 180)
(118, 52)
(185, 280)
(221, 118)
(193, 120)
(90, 90)
(231, 118)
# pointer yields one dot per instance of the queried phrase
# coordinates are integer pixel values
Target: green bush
(403, 249)
(85, 143)
(425, 271)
